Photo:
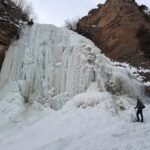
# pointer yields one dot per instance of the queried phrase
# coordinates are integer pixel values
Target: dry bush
(72, 24)
(145, 11)
(26, 9)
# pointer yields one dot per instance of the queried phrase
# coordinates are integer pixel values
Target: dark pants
(139, 112)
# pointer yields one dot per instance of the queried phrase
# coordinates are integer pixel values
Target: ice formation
(51, 65)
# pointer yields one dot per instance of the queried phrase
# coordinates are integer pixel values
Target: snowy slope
(51, 69)
(92, 128)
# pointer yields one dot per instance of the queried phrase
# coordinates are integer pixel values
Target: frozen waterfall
(51, 65)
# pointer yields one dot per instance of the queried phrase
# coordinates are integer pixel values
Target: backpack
(143, 106)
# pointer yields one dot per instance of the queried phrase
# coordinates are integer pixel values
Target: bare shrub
(26, 9)
(72, 24)
(146, 13)
(143, 8)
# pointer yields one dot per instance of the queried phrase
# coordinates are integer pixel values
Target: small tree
(143, 8)
(99, 5)
(145, 11)
(26, 9)
(72, 24)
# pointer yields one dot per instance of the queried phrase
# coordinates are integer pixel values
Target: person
(139, 106)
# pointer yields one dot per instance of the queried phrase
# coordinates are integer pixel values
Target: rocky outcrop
(10, 16)
(113, 28)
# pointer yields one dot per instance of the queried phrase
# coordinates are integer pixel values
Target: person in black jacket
(139, 107)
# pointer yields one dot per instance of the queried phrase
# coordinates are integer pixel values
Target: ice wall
(51, 65)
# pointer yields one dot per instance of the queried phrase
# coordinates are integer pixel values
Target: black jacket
(139, 105)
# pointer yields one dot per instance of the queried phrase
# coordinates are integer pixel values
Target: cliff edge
(118, 28)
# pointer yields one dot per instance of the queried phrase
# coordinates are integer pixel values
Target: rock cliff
(113, 27)
(10, 16)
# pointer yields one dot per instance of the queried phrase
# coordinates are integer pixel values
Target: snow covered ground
(78, 125)
(58, 92)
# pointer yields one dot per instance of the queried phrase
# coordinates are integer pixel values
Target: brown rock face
(9, 26)
(113, 28)
(7, 33)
